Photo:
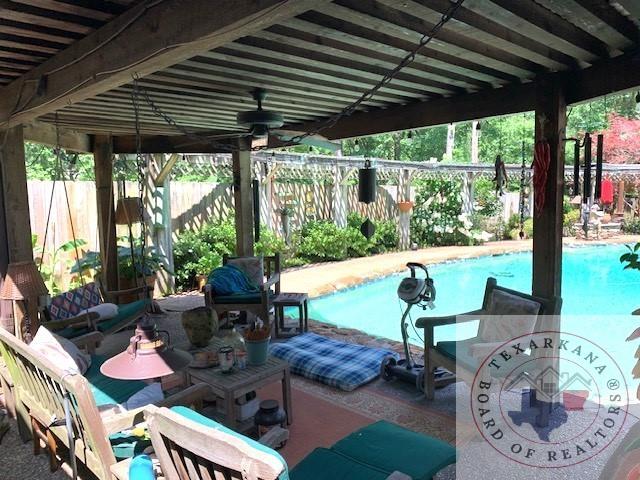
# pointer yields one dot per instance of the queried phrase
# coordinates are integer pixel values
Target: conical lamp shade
(128, 210)
(147, 357)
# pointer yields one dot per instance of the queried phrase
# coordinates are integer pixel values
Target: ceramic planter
(405, 207)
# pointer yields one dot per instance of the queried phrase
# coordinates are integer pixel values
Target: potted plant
(256, 340)
(405, 206)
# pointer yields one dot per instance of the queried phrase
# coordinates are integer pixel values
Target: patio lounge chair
(190, 446)
(257, 270)
(67, 316)
(453, 355)
(41, 390)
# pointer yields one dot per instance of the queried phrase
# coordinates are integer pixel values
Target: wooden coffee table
(231, 386)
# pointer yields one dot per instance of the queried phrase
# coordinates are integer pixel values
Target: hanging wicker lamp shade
(23, 281)
(128, 210)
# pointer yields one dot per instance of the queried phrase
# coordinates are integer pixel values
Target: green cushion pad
(207, 422)
(109, 390)
(389, 447)
(459, 351)
(249, 298)
(126, 313)
(324, 464)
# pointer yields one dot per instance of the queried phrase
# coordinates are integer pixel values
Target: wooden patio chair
(190, 446)
(457, 356)
(66, 314)
(42, 393)
(264, 272)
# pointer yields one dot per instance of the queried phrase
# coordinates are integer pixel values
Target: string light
(478, 127)
(356, 145)
(410, 136)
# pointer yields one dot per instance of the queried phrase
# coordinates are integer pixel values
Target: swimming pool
(598, 296)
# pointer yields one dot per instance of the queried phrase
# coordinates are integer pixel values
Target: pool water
(598, 296)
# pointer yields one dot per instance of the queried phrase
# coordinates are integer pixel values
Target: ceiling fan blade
(315, 140)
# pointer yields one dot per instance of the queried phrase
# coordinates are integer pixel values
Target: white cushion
(105, 311)
(148, 395)
(60, 351)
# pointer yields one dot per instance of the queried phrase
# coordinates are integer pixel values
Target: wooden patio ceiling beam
(45, 134)
(613, 75)
(149, 37)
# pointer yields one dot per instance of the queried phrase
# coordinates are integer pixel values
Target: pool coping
(325, 279)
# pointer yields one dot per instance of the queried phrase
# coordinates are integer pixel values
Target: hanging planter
(405, 207)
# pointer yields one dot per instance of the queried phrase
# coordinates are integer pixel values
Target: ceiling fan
(265, 123)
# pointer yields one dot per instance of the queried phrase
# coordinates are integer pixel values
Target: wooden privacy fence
(313, 187)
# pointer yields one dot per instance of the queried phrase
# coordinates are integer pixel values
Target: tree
(622, 140)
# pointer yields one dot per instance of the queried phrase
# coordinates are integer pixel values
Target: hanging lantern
(128, 210)
(367, 183)
(147, 357)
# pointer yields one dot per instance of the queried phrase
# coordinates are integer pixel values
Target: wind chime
(591, 191)
(367, 186)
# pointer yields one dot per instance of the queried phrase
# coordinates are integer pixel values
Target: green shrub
(631, 225)
(486, 202)
(269, 244)
(322, 241)
(570, 218)
(384, 239)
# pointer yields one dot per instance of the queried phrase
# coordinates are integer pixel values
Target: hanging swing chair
(89, 307)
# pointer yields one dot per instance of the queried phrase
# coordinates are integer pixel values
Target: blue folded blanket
(230, 280)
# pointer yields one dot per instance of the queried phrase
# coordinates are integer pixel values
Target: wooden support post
(467, 193)
(620, 198)
(266, 195)
(16, 195)
(404, 218)
(243, 198)
(339, 197)
(16, 201)
(159, 198)
(103, 168)
(550, 124)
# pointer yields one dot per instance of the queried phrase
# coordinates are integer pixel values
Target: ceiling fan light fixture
(260, 130)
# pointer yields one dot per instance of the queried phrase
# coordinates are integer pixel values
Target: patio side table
(231, 386)
(300, 300)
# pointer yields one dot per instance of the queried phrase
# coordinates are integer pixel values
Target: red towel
(606, 191)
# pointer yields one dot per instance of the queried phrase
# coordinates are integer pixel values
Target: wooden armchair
(42, 394)
(458, 356)
(264, 272)
(67, 316)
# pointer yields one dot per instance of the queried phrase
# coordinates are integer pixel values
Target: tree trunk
(451, 137)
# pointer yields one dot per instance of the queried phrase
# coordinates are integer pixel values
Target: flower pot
(257, 351)
(200, 324)
(405, 207)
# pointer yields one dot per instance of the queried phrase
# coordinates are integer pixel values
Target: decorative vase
(257, 351)
(200, 324)
(405, 207)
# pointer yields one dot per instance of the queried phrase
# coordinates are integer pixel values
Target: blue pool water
(598, 296)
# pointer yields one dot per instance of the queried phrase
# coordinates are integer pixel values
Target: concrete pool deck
(325, 278)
